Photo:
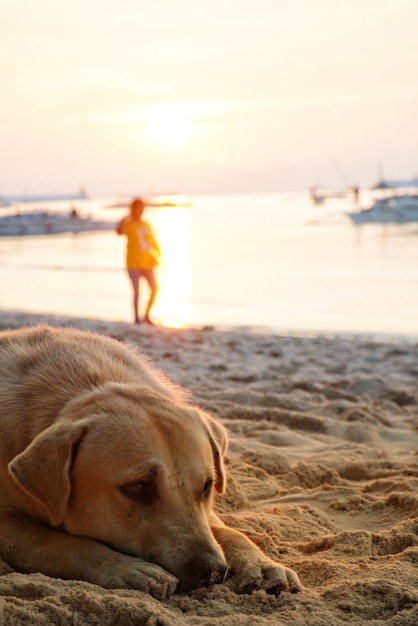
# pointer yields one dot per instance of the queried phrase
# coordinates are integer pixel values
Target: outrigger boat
(49, 223)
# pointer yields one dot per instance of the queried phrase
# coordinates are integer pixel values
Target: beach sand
(322, 471)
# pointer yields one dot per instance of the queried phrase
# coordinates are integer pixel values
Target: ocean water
(260, 260)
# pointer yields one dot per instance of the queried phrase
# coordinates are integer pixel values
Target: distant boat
(155, 201)
(8, 200)
(32, 223)
(319, 197)
(383, 183)
(167, 200)
(395, 208)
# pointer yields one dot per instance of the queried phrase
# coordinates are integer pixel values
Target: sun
(168, 125)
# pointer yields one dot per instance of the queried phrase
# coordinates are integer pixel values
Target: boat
(394, 208)
(319, 197)
(27, 198)
(153, 201)
(383, 183)
(44, 222)
(167, 200)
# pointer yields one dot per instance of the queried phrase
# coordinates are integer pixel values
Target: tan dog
(107, 475)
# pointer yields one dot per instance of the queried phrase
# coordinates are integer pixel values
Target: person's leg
(134, 276)
(149, 276)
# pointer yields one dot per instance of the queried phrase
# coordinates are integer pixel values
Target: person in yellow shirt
(142, 255)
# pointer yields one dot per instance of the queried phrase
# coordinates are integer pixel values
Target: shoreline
(13, 318)
(322, 475)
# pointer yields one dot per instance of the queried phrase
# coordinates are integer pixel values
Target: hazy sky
(206, 95)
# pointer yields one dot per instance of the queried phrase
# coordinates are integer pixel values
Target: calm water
(269, 260)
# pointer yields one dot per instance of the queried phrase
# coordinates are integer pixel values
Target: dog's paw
(133, 573)
(162, 584)
(267, 575)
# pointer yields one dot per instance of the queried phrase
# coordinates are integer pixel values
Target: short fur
(107, 474)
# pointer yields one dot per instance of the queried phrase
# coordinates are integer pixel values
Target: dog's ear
(219, 442)
(43, 469)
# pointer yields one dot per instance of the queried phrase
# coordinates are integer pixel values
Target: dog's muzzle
(201, 571)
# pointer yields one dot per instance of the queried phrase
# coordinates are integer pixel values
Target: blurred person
(142, 255)
(356, 196)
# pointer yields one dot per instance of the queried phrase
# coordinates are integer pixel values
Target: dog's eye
(143, 492)
(207, 488)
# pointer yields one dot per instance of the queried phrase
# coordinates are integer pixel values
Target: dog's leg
(30, 548)
(250, 568)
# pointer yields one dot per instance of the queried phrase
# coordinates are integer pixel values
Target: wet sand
(322, 475)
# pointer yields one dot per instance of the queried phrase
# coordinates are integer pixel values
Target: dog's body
(107, 474)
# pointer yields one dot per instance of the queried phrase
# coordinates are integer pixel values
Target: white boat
(49, 223)
(396, 208)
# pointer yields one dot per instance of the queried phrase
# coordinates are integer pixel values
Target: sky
(206, 96)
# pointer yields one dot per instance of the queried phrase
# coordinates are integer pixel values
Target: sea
(270, 262)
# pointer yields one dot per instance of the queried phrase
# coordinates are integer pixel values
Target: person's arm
(120, 227)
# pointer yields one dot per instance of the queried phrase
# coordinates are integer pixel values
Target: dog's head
(134, 470)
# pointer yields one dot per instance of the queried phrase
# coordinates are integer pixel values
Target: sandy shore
(323, 475)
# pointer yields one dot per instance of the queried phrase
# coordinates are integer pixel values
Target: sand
(323, 476)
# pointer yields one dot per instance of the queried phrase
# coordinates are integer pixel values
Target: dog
(108, 473)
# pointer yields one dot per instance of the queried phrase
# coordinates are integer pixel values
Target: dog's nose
(200, 571)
